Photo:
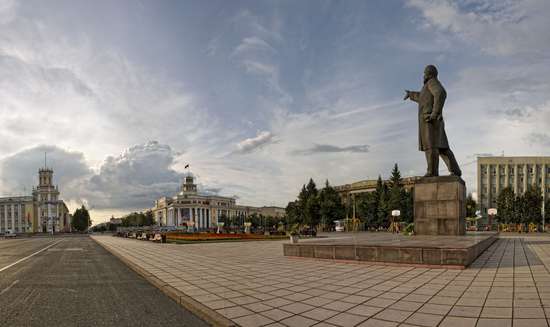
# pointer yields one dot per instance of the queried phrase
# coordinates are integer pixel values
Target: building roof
(513, 160)
(18, 198)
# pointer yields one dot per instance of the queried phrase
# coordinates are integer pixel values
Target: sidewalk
(253, 284)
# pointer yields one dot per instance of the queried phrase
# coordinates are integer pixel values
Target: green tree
(395, 190)
(149, 218)
(532, 206)
(383, 203)
(373, 206)
(506, 203)
(395, 178)
(330, 206)
(367, 208)
(547, 211)
(407, 207)
(517, 210)
(139, 219)
(292, 212)
(471, 206)
(310, 204)
(81, 219)
(312, 215)
(301, 204)
(398, 198)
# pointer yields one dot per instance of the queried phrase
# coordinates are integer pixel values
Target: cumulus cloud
(251, 144)
(135, 178)
(19, 172)
(129, 181)
(327, 148)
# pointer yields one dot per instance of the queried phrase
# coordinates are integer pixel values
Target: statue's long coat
(430, 103)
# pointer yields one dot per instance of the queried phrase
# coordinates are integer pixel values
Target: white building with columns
(519, 173)
(203, 211)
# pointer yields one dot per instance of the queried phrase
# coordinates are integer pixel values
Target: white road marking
(31, 255)
(9, 287)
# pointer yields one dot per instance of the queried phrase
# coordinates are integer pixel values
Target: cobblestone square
(253, 284)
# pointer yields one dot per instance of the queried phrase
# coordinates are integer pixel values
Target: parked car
(309, 231)
(339, 225)
(9, 233)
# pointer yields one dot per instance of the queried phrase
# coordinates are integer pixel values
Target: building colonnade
(12, 217)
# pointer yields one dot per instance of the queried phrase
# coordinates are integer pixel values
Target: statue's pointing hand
(407, 94)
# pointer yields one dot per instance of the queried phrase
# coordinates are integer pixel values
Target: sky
(258, 96)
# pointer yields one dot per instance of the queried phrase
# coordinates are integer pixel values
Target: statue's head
(429, 72)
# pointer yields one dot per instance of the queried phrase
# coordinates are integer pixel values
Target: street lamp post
(543, 214)
(492, 212)
(395, 224)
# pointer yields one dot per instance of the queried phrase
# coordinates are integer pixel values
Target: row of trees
(315, 207)
(258, 222)
(135, 219)
(521, 208)
(374, 208)
(139, 219)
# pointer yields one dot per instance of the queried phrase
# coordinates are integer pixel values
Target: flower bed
(200, 237)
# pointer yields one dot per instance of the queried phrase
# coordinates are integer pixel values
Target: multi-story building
(519, 173)
(43, 211)
(16, 214)
(203, 211)
(348, 192)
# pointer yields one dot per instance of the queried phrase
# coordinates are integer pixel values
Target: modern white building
(519, 173)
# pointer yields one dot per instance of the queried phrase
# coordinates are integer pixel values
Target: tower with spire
(189, 186)
(46, 197)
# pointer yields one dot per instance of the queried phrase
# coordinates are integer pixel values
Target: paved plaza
(253, 284)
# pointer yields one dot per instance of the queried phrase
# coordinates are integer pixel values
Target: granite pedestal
(423, 250)
(440, 206)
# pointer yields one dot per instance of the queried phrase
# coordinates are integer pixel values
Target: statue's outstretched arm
(439, 95)
(413, 95)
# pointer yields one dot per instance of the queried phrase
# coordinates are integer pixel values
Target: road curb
(200, 310)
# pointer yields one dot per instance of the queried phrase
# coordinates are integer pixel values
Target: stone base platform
(420, 250)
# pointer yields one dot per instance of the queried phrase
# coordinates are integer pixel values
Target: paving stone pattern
(253, 284)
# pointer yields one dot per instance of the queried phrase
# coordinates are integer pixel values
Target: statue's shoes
(430, 175)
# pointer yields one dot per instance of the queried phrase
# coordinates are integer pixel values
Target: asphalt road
(75, 282)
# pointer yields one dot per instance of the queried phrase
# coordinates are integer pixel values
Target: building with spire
(189, 207)
(42, 211)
